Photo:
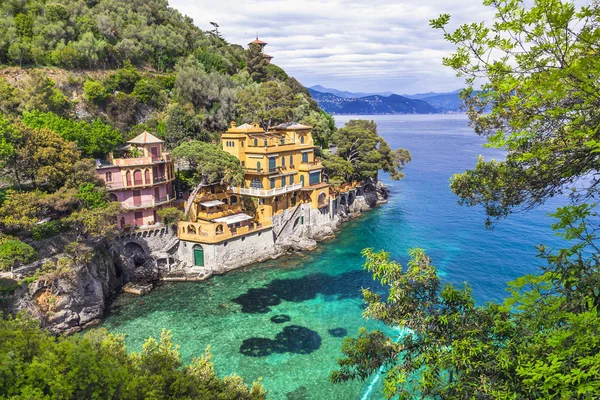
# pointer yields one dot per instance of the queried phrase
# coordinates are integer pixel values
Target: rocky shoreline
(78, 299)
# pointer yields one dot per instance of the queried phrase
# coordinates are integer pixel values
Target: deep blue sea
(284, 320)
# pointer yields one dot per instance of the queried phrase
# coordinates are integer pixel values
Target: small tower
(262, 48)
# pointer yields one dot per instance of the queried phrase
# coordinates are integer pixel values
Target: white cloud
(352, 45)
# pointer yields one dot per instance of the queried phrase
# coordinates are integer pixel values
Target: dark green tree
(256, 63)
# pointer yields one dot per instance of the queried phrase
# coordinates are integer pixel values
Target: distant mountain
(445, 103)
(421, 96)
(370, 105)
(347, 95)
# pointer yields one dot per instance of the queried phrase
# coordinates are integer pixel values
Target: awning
(233, 219)
(212, 203)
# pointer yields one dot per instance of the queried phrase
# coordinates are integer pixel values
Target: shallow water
(285, 320)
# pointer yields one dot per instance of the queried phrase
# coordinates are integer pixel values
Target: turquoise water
(285, 320)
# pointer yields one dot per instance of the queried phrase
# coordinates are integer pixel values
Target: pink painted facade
(141, 180)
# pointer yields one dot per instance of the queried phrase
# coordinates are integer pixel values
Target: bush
(149, 91)
(14, 252)
(94, 91)
(47, 230)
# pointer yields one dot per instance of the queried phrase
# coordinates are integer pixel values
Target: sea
(284, 321)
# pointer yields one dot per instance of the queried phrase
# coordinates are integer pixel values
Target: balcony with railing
(214, 233)
(133, 161)
(266, 192)
(306, 166)
(135, 203)
(219, 212)
(272, 145)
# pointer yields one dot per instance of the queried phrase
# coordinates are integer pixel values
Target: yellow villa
(284, 202)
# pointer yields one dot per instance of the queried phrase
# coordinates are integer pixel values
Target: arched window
(256, 183)
(233, 200)
(258, 166)
(128, 178)
(255, 142)
(191, 229)
(147, 176)
(219, 229)
(302, 139)
(108, 177)
(282, 161)
(137, 177)
(291, 160)
(113, 197)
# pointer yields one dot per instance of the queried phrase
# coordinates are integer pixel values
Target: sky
(359, 46)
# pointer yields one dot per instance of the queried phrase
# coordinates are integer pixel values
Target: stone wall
(296, 229)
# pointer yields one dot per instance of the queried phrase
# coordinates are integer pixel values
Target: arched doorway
(198, 256)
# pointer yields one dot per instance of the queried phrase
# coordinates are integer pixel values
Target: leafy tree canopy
(361, 153)
(210, 163)
(97, 365)
(541, 65)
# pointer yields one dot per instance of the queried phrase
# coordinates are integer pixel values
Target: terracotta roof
(145, 138)
(257, 41)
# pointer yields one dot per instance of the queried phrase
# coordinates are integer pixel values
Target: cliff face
(72, 300)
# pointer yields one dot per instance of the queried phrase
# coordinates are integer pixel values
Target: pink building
(141, 180)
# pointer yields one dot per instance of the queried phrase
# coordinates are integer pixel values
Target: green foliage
(183, 125)
(95, 222)
(149, 91)
(124, 80)
(541, 343)
(210, 163)
(122, 110)
(170, 216)
(8, 98)
(91, 196)
(39, 93)
(211, 62)
(256, 63)
(107, 34)
(97, 366)
(47, 230)
(94, 91)
(540, 63)
(276, 73)
(13, 252)
(269, 103)
(361, 153)
(323, 127)
(95, 139)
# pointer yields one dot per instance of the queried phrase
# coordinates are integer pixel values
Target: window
(255, 142)
(291, 160)
(233, 200)
(304, 157)
(256, 184)
(113, 197)
(282, 161)
(266, 142)
(108, 177)
(282, 140)
(302, 139)
(283, 183)
(291, 179)
(272, 164)
(242, 143)
(243, 163)
(302, 180)
(272, 183)
(315, 178)
(258, 166)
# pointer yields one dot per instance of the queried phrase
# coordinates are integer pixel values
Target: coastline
(134, 263)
